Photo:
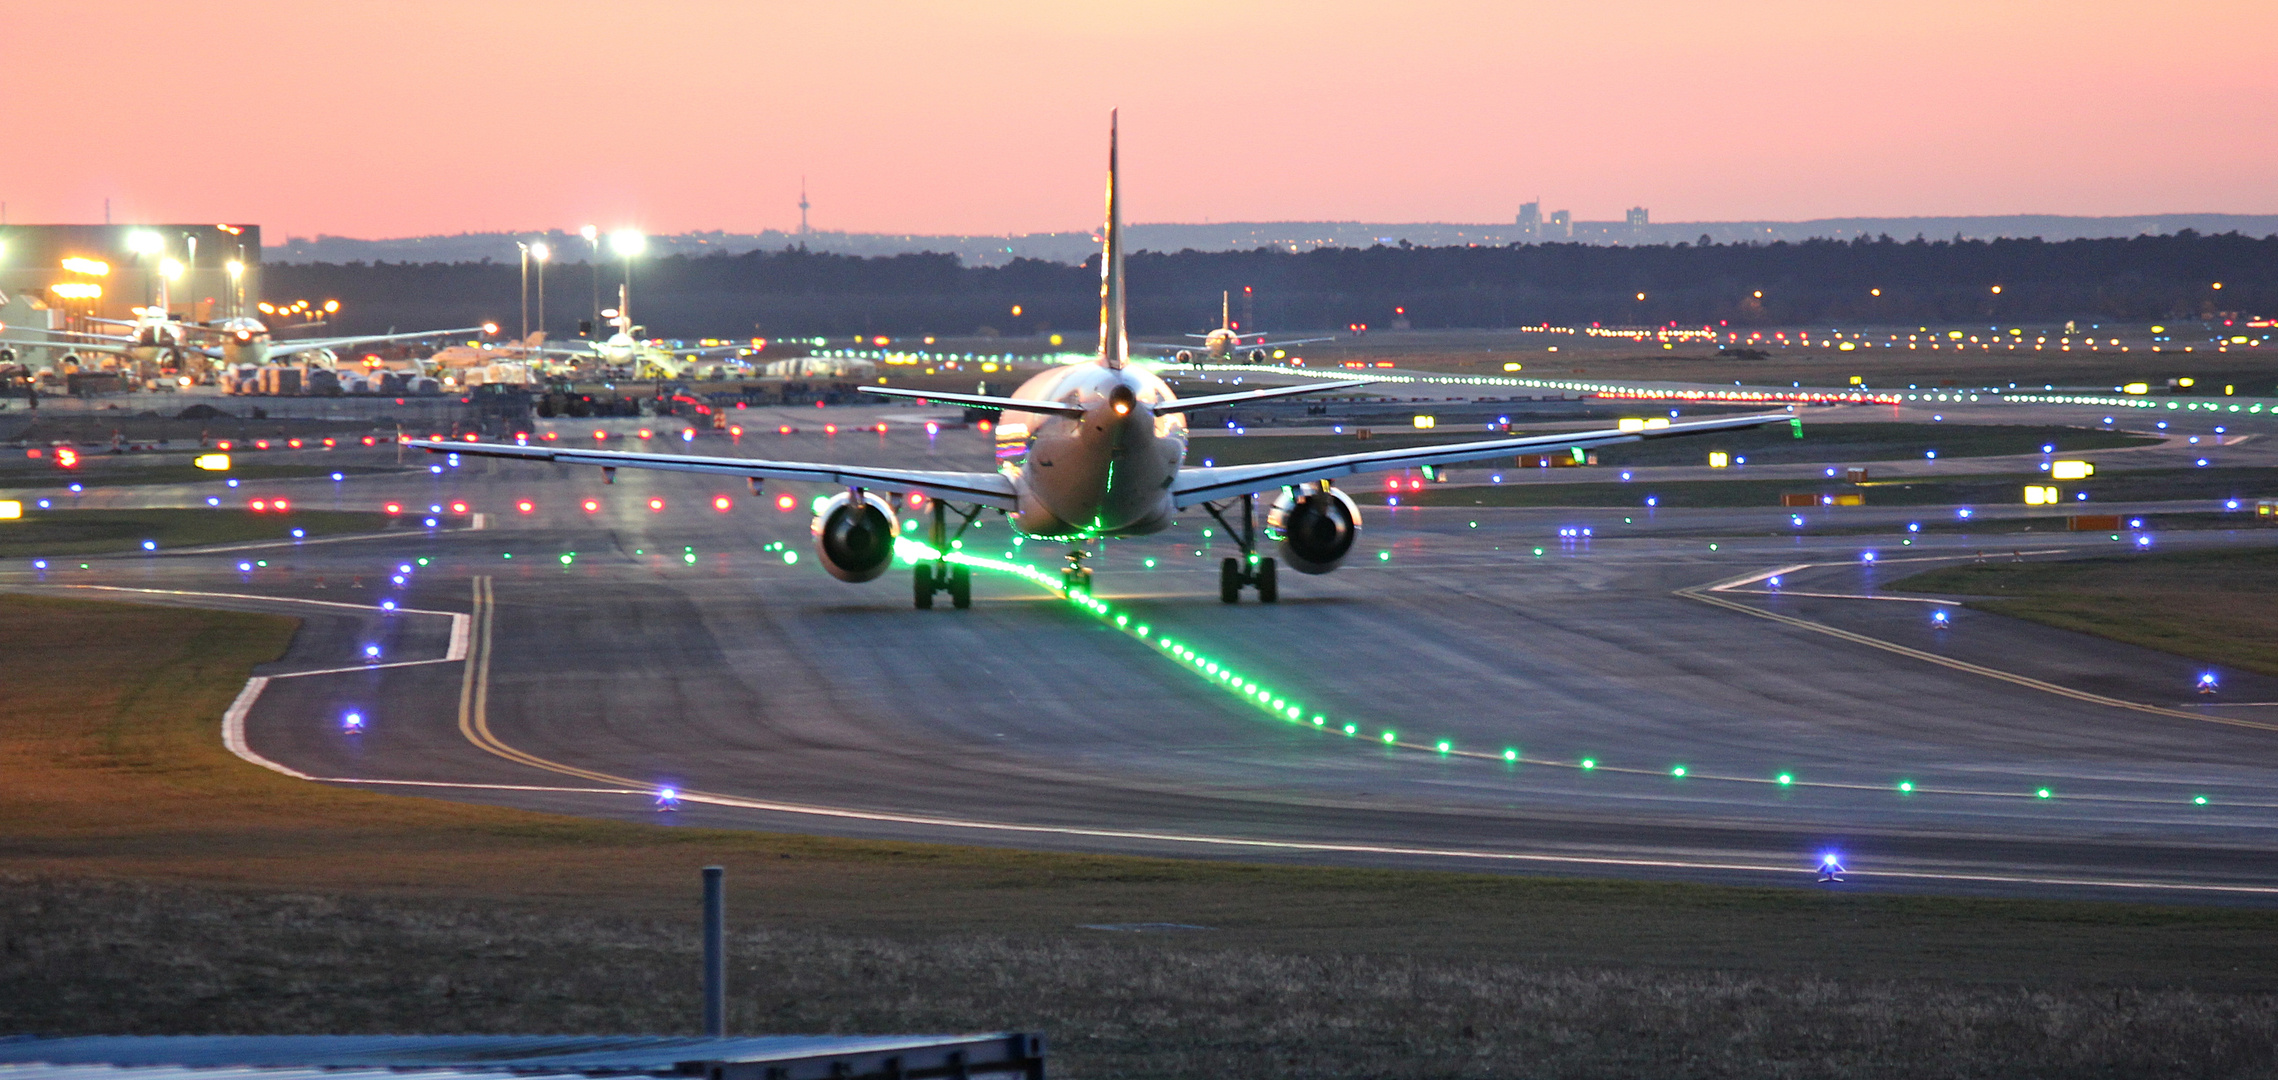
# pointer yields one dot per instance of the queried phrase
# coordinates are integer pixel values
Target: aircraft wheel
(1230, 581)
(1268, 590)
(921, 588)
(961, 588)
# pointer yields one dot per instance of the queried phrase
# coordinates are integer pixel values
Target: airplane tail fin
(1114, 342)
(1226, 310)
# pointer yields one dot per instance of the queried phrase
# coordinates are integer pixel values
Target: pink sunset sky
(414, 117)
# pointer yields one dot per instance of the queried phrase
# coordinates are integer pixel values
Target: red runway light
(600, 435)
(735, 431)
(524, 506)
(916, 500)
(66, 457)
(279, 505)
(550, 436)
(458, 508)
(645, 433)
(260, 444)
(258, 505)
(785, 502)
(222, 445)
(721, 503)
(371, 440)
(656, 504)
(881, 429)
(330, 443)
(592, 506)
(784, 430)
(436, 437)
(830, 429)
(470, 437)
(393, 508)
(293, 443)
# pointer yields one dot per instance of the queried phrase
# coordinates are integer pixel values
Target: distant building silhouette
(1561, 224)
(1636, 217)
(1530, 218)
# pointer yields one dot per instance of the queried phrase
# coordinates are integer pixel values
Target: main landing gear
(1247, 569)
(941, 575)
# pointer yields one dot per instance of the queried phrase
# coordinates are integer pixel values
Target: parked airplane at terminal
(1098, 449)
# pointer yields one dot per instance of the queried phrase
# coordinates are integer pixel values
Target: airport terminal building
(56, 277)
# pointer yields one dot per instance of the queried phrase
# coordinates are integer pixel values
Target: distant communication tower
(802, 206)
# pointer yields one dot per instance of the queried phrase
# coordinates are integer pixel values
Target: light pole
(593, 239)
(541, 251)
(627, 243)
(525, 336)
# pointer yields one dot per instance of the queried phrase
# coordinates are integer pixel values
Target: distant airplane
(1096, 449)
(625, 352)
(155, 337)
(1225, 342)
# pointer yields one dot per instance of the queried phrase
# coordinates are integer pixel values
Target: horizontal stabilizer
(980, 401)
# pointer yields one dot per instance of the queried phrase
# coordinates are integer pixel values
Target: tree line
(801, 293)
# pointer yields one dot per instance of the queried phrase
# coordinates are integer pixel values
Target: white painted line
(366, 667)
(233, 728)
(1841, 596)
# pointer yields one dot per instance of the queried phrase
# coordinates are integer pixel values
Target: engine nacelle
(1316, 526)
(855, 540)
(1185, 356)
(1257, 356)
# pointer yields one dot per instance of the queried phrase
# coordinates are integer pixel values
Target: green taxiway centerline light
(1389, 737)
(2199, 800)
(2043, 793)
(1443, 745)
(1510, 755)
(505, 554)
(1678, 772)
(567, 556)
(1786, 779)
(423, 562)
(1352, 729)
(1589, 764)
(1906, 787)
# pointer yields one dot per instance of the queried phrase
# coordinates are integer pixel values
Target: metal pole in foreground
(715, 952)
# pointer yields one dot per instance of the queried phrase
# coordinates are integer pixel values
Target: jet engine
(1316, 525)
(855, 540)
(1257, 356)
(1185, 356)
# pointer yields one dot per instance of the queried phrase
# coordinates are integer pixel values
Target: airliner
(1093, 450)
(1225, 342)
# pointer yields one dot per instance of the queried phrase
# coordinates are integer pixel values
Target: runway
(676, 647)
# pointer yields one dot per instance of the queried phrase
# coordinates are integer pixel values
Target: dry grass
(2220, 606)
(150, 882)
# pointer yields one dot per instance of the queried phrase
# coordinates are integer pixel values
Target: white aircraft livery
(1098, 449)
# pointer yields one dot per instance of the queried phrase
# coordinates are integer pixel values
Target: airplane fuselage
(1105, 473)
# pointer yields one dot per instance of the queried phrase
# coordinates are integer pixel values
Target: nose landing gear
(1076, 577)
(1248, 569)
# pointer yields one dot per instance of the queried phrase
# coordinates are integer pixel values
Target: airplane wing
(104, 345)
(1204, 485)
(987, 489)
(288, 348)
(1238, 397)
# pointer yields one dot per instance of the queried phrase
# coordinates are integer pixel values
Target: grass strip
(2218, 606)
(93, 532)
